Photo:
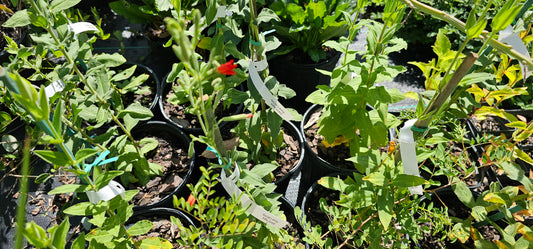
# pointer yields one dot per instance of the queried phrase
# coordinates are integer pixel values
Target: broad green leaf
(163, 5)
(83, 154)
(103, 179)
(79, 242)
(136, 110)
(479, 213)
(54, 157)
(10, 143)
(464, 194)
(81, 209)
(69, 188)
(334, 183)
(385, 209)
(124, 74)
(442, 44)
(59, 238)
(19, 19)
(110, 60)
(262, 170)
(403, 180)
(461, 231)
(505, 16)
(36, 235)
(495, 198)
(140, 228)
(154, 242)
(377, 178)
(59, 5)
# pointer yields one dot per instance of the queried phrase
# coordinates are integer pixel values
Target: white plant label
(408, 153)
(270, 100)
(222, 12)
(255, 210)
(508, 36)
(56, 86)
(106, 193)
(81, 27)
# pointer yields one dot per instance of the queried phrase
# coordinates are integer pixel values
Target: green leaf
(479, 213)
(385, 206)
(36, 235)
(124, 74)
(110, 60)
(69, 188)
(59, 5)
(442, 44)
(376, 178)
(154, 242)
(148, 144)
(505, 16)
(83, 154)
(461, 231)
(54, 157)
(163, 5)
(136, 110)
(79, 242)
(10, 143)
(334, 183)
(262, 170)
(140, 228)
(498, 198)
(103, 179)
(59, 239)
(403, 180)
(464, 194)
(19, 19)
(81, 209)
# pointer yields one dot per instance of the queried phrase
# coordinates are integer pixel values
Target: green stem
(458, 24)
(23, 197)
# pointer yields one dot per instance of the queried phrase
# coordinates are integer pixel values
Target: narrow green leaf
(36, 235)
(59, 5)
(83, 154)
(59, 239)
(54, 157)
(385, 209)
(376, 178)
(69, 188)
(103, 179)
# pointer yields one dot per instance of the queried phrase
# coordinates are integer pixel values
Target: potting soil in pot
(175, 162)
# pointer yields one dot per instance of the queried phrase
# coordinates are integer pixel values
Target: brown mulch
(162, 228)
(288, 157)
(176, 164)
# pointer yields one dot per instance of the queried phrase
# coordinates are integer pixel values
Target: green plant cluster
(375, 208)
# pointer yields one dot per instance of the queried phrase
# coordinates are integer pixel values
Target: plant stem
(23, 197)
(446, 91)
(458, 24)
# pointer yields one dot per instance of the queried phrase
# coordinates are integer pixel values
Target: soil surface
(176, 164)
(288, 157)
(13, 33)
(179, 115)
(490, 124)
(145, 95)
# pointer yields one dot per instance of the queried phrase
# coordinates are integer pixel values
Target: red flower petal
(191, 200)
(227, 68)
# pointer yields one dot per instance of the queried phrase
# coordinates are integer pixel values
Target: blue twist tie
(219, 158)
(100, 161)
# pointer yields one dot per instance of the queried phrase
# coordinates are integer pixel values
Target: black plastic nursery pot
(160, 216)
(163, 131)
(147, 93)
(283, 181)
(302, 78)
(189, 124)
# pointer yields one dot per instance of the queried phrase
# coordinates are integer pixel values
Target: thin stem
(21, 207)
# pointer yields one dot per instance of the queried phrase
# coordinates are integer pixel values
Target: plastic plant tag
(513, 39)
(408, 153)
(56, 86)
(106, 193)
(81, 27)
(270, 100)
(223, 12)
(253, 209)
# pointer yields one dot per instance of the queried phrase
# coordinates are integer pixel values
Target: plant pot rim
(192, 164)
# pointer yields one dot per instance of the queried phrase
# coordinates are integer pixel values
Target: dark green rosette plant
(307, 25)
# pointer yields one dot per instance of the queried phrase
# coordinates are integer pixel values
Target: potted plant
(304, 27)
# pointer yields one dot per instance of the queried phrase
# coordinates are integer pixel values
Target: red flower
(227, 68)
(191, 200)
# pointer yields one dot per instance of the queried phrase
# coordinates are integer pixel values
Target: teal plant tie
(219, 158)
(418, 129)
(99, 161)
(254, 42)
(497, 216)
(218, 25)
